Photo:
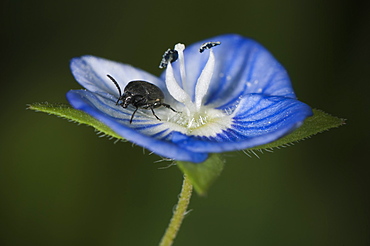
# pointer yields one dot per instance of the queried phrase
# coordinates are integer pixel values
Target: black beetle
(140, 94)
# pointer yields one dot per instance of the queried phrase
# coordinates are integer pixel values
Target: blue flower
(230, 97)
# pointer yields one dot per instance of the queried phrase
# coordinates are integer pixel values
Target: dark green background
(62, 185)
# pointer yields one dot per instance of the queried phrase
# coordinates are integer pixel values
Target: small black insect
(140, 94)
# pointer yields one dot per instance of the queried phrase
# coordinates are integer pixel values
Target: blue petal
(243, 66)
(258, 119)
(91, 72)
(145, 132)
(247, 79)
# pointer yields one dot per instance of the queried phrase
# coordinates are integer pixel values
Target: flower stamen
(173, 87)
(208, 45)
(196, 119)
(180, 50)
(204, 80)
(168, 57)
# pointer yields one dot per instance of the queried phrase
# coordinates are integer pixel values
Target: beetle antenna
(117, 85)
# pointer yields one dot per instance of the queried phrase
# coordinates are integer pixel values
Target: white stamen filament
(173, 87)
(180, 50)
(204, 80)
(177, 92)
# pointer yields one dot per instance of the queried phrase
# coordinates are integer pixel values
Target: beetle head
(126, 100)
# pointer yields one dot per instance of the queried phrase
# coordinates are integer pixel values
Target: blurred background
(60, 184)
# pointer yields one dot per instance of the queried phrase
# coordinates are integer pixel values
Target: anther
(168, 56)
(208, 45)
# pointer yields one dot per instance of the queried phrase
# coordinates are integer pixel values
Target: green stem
(179, 213)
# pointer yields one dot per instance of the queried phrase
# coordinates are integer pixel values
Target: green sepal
(319, 122)
(202, 175)
(78, 116)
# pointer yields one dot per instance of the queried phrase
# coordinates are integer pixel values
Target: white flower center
(195, 118)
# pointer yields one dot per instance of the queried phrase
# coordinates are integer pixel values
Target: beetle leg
(132, 116)
(154, 113)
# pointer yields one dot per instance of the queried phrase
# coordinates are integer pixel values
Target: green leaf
(313, 125)
(202, 175)
(78, 116)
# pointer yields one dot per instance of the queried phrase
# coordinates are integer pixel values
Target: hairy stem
(179, 213)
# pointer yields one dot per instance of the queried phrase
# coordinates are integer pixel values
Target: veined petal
(146, 132)
(242, 66)
(91, 72)
(245, 99)
(258, 119)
